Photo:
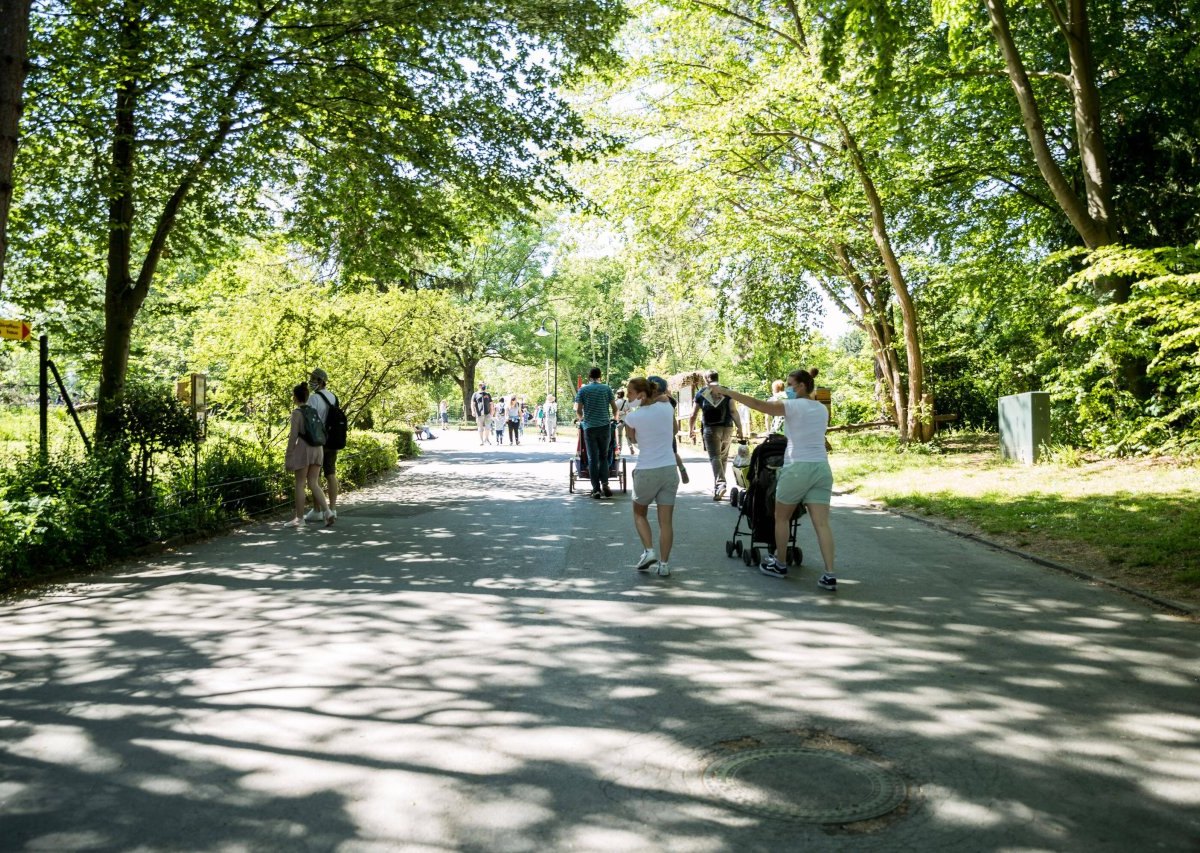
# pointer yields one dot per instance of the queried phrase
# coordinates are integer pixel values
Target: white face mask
(633, 404)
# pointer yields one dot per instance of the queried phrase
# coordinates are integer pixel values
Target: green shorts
(804, 483)
(655, 485)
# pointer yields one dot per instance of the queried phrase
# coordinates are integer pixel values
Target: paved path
(467, 662)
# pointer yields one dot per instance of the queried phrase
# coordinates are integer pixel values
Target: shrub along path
(467, 661)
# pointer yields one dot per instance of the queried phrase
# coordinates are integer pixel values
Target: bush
(60, 514)
(239, 480)
(366, 456)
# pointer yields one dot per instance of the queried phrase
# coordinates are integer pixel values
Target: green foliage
(152, 422)
(367, 455)
(239, 480)
(63, 513)
(1159, 326)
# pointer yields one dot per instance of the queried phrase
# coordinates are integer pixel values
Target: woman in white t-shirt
(805, 477)
(655, 479)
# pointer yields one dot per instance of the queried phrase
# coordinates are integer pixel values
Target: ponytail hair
(807, 378)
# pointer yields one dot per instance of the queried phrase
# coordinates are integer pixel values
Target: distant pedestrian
(805, 477)
(513, 413)
(596, 407)
(623, 404)
(550, 413)
(481, 411)
(651, 422)
(720, 420)
(444, 413)
(304, 460)
(498, 423)
(777, 393)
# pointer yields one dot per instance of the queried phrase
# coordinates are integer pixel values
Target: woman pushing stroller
(806, 477)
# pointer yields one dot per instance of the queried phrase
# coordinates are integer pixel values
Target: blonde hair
(777, 386)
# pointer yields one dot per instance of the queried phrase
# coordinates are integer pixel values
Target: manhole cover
(808, 785)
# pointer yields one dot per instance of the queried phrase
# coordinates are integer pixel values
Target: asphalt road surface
(468, 661)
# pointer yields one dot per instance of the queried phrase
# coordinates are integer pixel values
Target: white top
(804, 423)
(317, 400)
(655, 427)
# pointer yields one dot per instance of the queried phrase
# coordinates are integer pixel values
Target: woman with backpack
(305, 453)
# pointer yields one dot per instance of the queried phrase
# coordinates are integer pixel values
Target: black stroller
(756, 508)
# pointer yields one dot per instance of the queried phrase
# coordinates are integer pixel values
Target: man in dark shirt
(720, 419)
(596, 407)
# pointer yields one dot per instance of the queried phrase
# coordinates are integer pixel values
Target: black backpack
(336, 424)
(314, 430)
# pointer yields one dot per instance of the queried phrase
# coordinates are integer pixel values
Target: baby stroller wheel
(571, 481)
(755, 557)
(729, 549)
(734, 496)
(737, 546)
(747, 559)
(794, 555)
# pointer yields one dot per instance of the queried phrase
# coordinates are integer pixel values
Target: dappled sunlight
(383, 686)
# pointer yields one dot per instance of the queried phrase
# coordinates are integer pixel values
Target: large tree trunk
(871, 297)
(14, 65)
(122, 296)
(910, 425)
(468, 364)
(1092, 217)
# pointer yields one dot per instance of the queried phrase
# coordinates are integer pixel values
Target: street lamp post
(543, 332)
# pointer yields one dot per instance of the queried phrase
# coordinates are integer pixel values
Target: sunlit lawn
(1134, 520)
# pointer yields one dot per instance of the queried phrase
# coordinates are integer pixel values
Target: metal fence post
(43, 397)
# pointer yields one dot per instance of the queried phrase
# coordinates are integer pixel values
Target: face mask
(634, 404)
(790, 393)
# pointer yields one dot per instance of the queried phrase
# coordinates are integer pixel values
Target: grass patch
(1130, 520)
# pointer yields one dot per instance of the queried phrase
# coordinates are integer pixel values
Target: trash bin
(1024, 426)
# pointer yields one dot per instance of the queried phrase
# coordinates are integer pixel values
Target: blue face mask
(790, 393)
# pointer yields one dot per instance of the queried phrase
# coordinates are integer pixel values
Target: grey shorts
(655, 485)
(804, 483)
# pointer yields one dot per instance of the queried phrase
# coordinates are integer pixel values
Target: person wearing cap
(481, 411)
(321, 399)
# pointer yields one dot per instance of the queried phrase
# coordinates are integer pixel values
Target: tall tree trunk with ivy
(14, 64)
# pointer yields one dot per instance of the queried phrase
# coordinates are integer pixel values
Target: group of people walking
(649, 423)
(494, 417)
(645, 414)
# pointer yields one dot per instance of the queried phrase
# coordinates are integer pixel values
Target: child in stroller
(756, 507)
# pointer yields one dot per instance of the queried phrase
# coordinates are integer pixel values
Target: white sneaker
(664, 571)
(314, 514)
(647, 560)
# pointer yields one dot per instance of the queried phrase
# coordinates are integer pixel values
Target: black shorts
(329, 465)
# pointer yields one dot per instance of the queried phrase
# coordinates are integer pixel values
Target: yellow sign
(15, 330)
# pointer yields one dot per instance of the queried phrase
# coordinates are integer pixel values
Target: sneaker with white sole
(648, 559)
(314, 514)
(772, 567)
(664, 571)
(827, 581)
